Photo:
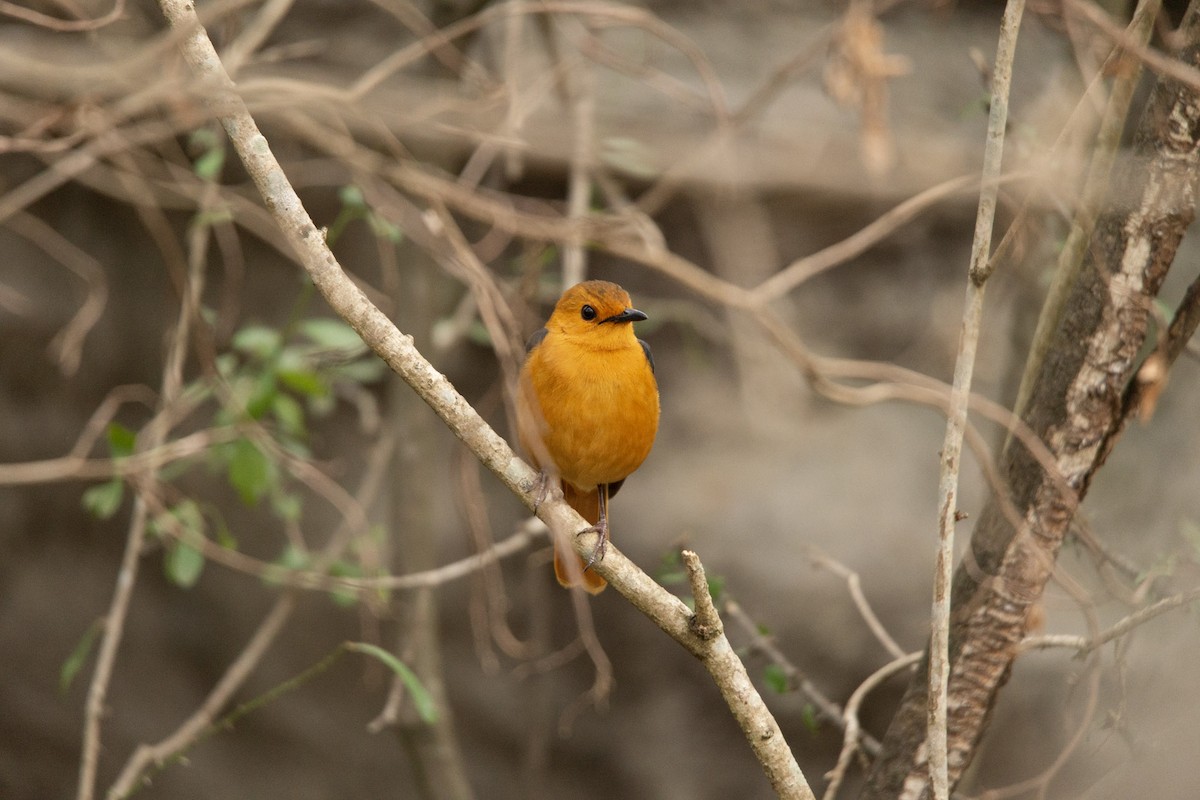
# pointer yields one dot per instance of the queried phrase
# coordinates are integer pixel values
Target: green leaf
(352, 196)
(183, 564)
(257, 341)
(103, 501)
(291, 559)
(477, 333)
(364, 371)
(120, 440)
(422, 700)
(344, 596)
(331, 333)
(287, 505)
(251, 473)
(809, 716)
(776, 678)
(716, 587)
(262, 397)
(223, 536)
(670, 569)
(304, 381)
(79, 656)
(385, 229)
(289, 414)
(226, 364)
(208, 165)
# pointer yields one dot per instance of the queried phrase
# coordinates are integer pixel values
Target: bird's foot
(601, 531)
(544, 491)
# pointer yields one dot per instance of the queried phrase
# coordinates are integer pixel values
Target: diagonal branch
(398, 350)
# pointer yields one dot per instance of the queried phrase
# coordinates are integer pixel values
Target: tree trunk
(1076, 408)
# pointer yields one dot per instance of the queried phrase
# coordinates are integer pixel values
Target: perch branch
(399, 352)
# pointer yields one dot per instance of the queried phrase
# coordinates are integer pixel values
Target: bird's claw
(543, 490)
(601, 544)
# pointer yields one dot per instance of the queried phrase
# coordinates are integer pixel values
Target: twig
(582, 97)
(254, 34)
(964, 365)
(1086, 644)
(67, 346)
(187, 734)
(853, 735)
(62, 25)
(825, 708)
(853, 583)
(706, 622)
(1163, 65)
(114, 620)
(862, 240)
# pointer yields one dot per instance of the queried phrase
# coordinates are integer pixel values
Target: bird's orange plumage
(587, 409)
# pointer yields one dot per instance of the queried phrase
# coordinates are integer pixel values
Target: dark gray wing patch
(645, 349)
(535, 339)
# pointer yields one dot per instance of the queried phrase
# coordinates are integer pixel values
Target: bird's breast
(598, 410)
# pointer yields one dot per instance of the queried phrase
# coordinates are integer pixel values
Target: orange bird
(587, 408)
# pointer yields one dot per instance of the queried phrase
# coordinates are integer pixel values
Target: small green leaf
(352, 196)
(422, 700)
(289, 414)
(809, 716)
(364, 371)
(776, 678)
(291, 559)
(670, 569)
(120, 440)
(251, 473)
(257, 341)
(287, 506)
(385, 229)
(330, 333)
(226, 364)
(716, 587)
(477, 333)
(263, 395)
(183, 564)
(341, 595)
(213, 216)
(223, 536)
(208, 165)
(103, 501)
(304, 381)
(79, 656)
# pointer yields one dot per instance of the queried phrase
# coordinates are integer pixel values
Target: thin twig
(853, 583)
(956, 419)
(853, 735)
(114, 620)
(824, 707)
(1086, 644)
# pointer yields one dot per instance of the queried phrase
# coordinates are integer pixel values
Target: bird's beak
(628, 315)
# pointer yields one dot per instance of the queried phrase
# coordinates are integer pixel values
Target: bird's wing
(645, 349)
(614, 486)
(540, 334)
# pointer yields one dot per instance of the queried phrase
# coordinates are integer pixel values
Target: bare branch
(402, 356)
(956, 420)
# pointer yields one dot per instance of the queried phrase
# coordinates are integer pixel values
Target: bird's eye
(588, 313)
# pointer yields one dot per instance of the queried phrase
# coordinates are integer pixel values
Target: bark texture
(1076, 408)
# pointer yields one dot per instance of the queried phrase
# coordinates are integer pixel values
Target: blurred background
(741, 138)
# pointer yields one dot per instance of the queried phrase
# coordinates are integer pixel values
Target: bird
(587, 410)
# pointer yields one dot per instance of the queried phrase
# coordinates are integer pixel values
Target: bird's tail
(588, 506)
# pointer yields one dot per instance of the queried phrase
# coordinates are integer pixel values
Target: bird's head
(598, 312)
